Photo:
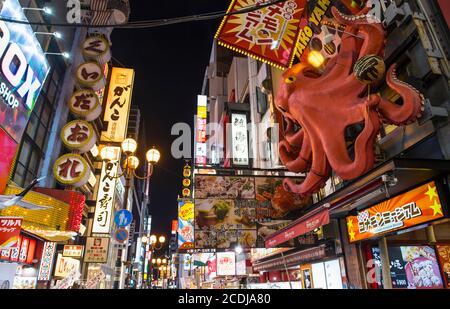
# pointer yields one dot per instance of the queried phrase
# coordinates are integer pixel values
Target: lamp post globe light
(130, 164)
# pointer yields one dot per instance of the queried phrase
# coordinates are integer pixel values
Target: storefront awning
(297, 257)
(303, 225)
(388, 179)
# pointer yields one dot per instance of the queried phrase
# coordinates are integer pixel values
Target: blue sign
(123, 218)
(121, 235)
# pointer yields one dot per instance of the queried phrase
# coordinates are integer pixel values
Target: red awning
(301, 226)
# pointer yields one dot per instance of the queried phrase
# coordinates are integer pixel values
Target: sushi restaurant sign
(412, 208)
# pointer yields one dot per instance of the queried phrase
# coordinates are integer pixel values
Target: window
(261, 99)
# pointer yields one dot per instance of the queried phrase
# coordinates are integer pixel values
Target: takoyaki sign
(406, 210)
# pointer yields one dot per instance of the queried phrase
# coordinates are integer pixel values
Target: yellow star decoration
(352, 235)
(350, 224)
(436, 208)
(431, 192)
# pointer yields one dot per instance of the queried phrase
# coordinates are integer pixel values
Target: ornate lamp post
(131, 163)
(155, 243)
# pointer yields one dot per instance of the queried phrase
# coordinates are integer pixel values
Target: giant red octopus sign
(322, 104)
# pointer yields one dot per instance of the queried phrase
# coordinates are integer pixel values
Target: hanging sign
(239, 141)
(90, 75)
(200, 148)
(105, 197)
(118, 105)
(185, 224)
(85, 104)
(96, 48)
(9, 232)
(268, 34)
(71, 170)
(45, 267)
(74, 251)
(78, 135)
(406, 210)
(96, 250)
(65, 265)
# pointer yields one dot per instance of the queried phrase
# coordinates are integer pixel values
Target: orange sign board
(404, 211)
(269, 34)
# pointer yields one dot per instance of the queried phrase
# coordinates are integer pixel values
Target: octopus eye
(290, 79)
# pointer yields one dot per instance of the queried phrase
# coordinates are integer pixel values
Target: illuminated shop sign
(118, 104)
(23, 69)
(105, 196)
(202, 111)
(239, 137)
(406, 210)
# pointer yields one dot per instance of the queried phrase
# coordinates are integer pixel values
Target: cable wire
(156, 22)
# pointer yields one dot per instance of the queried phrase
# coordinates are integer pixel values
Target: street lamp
(131, 163)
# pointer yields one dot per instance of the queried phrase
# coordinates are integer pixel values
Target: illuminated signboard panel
(20, 83)
(105, 197)
(200, 141)
(268, 34)
(118, 104)
(239, 141)
(406, 210)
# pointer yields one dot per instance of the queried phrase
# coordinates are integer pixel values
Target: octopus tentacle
(316, 177)
(337, 153)
(413, 101)
(296, 161)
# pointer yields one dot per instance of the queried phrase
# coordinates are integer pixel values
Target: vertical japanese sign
(239, 142)
(186, 192)
(45, 268)
(9, 232)
(268, 34)
(185, 224)
(406, 210)
(200, 141)
(105, 197)
(118, 104)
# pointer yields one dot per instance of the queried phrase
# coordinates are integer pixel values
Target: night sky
(170, 63)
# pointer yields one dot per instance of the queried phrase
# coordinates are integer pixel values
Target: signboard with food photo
(232, 211)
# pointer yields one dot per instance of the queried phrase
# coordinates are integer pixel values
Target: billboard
(23, 70)
(185, 224)
(269, 34)
(118, 103)
(9, 232)
(231, 210)
(406, 210)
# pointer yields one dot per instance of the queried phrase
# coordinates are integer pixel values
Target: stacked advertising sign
(187, 181)
(23, 71)
(200, 141)
(9, 232)
(79, 136)
(231, 210)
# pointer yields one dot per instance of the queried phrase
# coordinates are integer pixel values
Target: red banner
(9, 232)
(269, 34)
(302, 227)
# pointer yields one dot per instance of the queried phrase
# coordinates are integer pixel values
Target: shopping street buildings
(387, 228)
(55, 124)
